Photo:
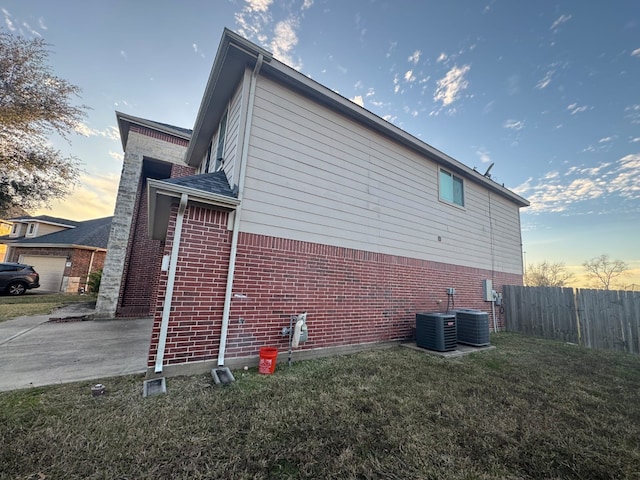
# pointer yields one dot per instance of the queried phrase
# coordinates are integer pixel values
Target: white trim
(236, 220)
(173, 263)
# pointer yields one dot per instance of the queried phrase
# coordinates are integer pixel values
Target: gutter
(168, 298)
(236, 219)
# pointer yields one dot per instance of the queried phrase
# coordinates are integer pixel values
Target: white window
(222, 132)
(31, 231)
(451, 188)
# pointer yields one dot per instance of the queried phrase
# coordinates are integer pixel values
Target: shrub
(94, 281)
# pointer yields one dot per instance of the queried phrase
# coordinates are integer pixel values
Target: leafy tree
(547, 274)
(34, 103)
(603, 270)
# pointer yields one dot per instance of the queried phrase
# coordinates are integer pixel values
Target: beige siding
(45, 229)
(231, 145)
(315, 176)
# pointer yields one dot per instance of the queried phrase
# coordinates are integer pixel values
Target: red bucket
(268, 357)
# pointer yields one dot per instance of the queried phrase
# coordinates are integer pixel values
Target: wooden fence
(607, 319)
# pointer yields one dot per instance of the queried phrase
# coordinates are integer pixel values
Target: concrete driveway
(37, 351)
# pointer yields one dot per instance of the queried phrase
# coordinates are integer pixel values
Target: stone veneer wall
(142, 142)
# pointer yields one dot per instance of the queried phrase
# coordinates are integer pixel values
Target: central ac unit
(436, 331)
(473, 327)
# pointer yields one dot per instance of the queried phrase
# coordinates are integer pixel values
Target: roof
(235, 54)
(206, 182)
(90, 233)
(45, 219)
(205, 188)
(125, 121)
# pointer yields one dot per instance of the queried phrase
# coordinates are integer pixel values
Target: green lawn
(32, 303)
(528, 409)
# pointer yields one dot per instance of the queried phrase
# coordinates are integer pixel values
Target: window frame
(453, 179)
(221, 141)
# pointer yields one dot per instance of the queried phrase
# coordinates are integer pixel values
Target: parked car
(16, 278)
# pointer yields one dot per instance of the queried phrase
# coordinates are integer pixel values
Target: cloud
(441, 58)
(41, 23)
(516, 125)
(483, 155)
(559, 21)
(123, 54)
(285, 38)
(95, 197)
(116, 155)
(632, 112)
(451, 85)
(358, 100)
(7, 20)
(409, 76)
(593, 188)
(255, 21)
(415, 58)
(111, 132)
(392, 47)
(636, 53)
(545, 81)
(575, 108)
(258, 5)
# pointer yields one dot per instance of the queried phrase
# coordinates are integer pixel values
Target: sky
(546, 91)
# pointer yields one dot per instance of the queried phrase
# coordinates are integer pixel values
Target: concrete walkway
(36, 351)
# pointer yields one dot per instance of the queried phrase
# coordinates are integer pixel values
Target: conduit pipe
(168, 298)
(236, 219)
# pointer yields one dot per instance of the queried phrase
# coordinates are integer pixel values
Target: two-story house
(287, 197)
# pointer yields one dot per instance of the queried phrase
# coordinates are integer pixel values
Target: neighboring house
(287, 197)
(5, 229)
(64, 252)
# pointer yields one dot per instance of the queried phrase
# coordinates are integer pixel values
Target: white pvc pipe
(168, 298)
(236, 219)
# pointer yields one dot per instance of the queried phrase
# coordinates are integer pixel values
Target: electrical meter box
(487, 290)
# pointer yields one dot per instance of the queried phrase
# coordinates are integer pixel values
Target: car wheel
(16, 288)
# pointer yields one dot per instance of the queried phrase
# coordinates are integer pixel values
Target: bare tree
(33, 104)
(603, 270)
(547, 274)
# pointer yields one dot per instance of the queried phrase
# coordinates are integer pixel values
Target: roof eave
(125, 121)
(233, 56)
(162, 194)
(59, 245)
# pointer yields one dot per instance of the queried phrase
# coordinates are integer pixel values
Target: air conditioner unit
(473, 327)
(436, 331)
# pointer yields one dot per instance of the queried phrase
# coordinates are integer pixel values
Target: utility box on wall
(487, 290)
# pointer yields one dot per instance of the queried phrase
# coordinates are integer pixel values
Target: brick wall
(200, 283)
(351, 296)
(142, 264)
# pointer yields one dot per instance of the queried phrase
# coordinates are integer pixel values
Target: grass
(529, 409)
(36, 303)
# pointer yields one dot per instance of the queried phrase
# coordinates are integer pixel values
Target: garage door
(51, 270)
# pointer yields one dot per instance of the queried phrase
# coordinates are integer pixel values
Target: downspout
(86, 283)
(168, 298)
(236, 219)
